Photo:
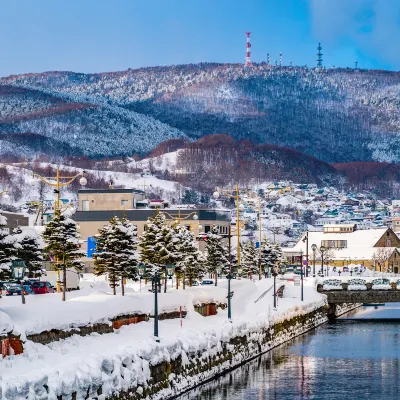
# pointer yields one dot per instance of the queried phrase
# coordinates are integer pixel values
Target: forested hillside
(336, 115)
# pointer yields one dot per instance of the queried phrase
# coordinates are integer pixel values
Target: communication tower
(319, 56)
(248, 45)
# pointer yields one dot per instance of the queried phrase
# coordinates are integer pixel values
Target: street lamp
(58, 182)
(322, 250)
(275, 274)
(314, 249)
(18, 268)
(301, 274)
(170, 272)
(230, 294)
(217, 271)
(155, 277)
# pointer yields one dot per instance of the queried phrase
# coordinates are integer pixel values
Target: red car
(42, 287)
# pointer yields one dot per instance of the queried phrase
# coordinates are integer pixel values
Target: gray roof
(111, 191)
(144, 215)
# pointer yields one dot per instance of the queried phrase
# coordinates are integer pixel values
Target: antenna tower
(319, 56)
(356, 64)
(280, 59)
(248, 45)
(268, 59)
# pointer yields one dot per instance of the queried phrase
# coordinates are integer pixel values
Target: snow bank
(119, 360)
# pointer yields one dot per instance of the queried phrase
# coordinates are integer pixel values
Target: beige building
(97, 207)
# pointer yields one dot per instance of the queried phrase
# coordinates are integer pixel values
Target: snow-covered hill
(336, 115)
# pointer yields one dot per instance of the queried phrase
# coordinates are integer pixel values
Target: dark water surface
(354, 357)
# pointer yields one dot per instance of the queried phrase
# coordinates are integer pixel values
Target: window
(124, 202)
(334, 244)
(388, 243)
(207, 228)
(85, 205)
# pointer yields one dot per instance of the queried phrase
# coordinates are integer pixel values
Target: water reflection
(354, 357)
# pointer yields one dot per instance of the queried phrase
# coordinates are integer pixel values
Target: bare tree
(381, 256)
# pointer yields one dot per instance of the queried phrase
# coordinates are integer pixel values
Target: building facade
(105, 204)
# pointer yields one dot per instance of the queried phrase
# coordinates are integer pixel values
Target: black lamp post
(18, 268)
(314, 249)
(275, 274)
(322, 250)
(155, 278)
(230, 294)
(301, 274)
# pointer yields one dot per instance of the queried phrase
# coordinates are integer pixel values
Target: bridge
(359, 290)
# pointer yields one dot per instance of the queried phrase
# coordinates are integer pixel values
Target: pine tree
(62, 241)
(116, 252)
(217, 255)
(27, 245)
(249, 259)
(271, 254)
(156, 245)
(189, 261)
(7, 251)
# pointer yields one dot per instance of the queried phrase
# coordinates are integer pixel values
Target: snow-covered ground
(68, 365)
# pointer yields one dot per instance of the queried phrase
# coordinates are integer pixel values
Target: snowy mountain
(336, 115)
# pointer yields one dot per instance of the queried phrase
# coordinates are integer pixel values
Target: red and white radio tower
(248, 45)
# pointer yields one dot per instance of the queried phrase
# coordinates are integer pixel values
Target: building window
(85, 205)
(207, 228)
(334, 244)
(388, 243)
(124, 202)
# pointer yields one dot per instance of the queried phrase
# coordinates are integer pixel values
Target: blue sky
(111, 35)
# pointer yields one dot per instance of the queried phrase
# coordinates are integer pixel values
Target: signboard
(91, 246)
(257, 245)
(304, 262)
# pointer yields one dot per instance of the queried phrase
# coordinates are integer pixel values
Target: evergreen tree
(271, 254)
(7, 251)
(217, 255)
(189, 261)
(62, 241)
(116, 252)
(27, 245)
(156, 243)
(249, 259)
(190, 197)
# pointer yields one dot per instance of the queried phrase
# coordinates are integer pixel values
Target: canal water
(356, 356)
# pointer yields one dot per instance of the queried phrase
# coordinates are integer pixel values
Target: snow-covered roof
(359, 243)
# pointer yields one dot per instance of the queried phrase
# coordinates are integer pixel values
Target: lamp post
(239, 207)
(322, 250)
(301, 274)
(18, 270)
(305, 240)
(59, 182)
(155, 278)
(230, 294)
(275, 274)
(314, 249)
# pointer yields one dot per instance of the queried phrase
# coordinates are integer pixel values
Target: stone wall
(169, 379)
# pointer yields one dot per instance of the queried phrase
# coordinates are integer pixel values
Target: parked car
(345, 269)
(12, 289)
(28, 290)
(42, 287)
(207, 282)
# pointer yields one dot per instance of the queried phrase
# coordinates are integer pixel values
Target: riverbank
(354, 356)
(129, 363)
